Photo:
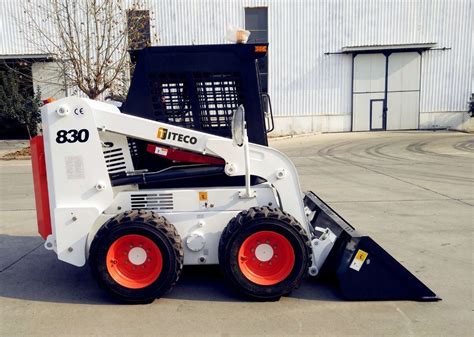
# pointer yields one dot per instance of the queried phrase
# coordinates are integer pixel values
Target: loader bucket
(363, 269)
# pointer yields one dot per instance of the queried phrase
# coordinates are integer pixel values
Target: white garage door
(403, 91)
(386, 91)
(369, 85)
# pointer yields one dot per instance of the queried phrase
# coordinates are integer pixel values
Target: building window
(138, 22)
(256, 21)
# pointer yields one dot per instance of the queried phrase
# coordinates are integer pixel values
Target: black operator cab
(197, 87)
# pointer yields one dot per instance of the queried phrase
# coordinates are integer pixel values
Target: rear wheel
(136, 256)
(264, 253)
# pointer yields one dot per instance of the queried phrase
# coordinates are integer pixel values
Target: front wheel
(264, 253)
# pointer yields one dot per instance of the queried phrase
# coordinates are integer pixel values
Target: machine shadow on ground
(39, 276)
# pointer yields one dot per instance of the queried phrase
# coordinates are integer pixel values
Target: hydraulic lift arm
(265, 162)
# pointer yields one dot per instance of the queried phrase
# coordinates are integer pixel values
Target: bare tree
(89, 40)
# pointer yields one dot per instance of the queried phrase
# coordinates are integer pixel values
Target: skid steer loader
(173, 180)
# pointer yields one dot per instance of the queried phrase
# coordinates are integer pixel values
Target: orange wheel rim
(134, 261)
(266, 258)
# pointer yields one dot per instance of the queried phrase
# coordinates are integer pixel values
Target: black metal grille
(218, 97)
(200, 100)
(170, 99)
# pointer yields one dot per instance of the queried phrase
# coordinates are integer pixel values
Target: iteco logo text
(165, 134)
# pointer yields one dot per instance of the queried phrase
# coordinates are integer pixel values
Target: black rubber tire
(263, 219)
(154, 227)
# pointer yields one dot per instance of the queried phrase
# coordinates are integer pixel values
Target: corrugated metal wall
(303, 80)
(446, 75)
(12, 37)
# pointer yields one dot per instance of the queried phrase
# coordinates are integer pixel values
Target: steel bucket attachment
(363, 269)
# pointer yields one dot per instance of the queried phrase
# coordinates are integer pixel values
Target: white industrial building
(333, 65)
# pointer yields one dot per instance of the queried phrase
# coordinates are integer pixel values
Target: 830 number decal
(72, 136)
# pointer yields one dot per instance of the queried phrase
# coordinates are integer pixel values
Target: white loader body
(82, 197)
(137, 232)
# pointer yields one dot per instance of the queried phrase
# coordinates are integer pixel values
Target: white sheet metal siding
(445, 75)
(12, 40)
(303, 81)
(378, 22)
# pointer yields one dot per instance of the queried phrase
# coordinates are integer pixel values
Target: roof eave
(390, 47)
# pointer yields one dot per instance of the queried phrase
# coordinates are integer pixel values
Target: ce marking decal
(79, 112)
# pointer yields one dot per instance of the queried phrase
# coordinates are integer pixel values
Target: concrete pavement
(7, 146)
(413, 192)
